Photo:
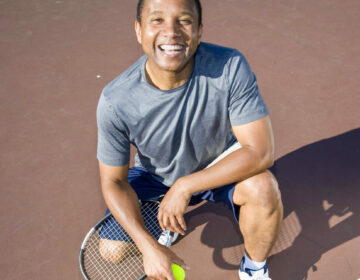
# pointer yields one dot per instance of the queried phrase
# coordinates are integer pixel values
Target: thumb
(178, 271)
(181, 263)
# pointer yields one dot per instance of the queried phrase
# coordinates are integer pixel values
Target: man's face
(169, 33)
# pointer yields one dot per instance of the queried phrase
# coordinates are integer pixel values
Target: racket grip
(165, 238)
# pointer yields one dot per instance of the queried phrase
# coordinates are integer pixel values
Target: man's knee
(115, 251)
(261, 189)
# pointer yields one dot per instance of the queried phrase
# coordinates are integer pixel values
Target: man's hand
(173, 207)
(158, 260)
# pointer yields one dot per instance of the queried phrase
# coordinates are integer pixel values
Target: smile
(171, 49)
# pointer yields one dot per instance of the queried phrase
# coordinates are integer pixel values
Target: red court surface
(57, 55)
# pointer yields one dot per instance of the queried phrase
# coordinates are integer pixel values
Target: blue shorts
(146, 187)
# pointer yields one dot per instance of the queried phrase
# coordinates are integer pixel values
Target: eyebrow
(182, 13)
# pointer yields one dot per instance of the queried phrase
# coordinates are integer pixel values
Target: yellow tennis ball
(178, 271)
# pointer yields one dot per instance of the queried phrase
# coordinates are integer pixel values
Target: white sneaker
(167, 238)
(249, 274)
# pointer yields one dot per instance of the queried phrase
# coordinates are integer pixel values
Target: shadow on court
(320, 185)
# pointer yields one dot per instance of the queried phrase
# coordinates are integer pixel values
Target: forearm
(235, 167)
(122, 202)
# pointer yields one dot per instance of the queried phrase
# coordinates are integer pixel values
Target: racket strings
(110, 253)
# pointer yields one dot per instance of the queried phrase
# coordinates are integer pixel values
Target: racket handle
(165, 238)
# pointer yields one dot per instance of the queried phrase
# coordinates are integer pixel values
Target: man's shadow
(320, 185)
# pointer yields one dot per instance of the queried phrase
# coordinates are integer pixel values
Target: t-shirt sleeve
(245, 102)
(113, 146)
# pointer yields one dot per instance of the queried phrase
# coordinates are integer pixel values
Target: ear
(138, 31)
(200, 32)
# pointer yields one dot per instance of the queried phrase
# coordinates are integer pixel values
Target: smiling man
(202, 131)
(170, 57)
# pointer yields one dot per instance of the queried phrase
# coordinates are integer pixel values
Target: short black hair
(140, 6)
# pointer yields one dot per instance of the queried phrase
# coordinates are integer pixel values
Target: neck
(166, 80)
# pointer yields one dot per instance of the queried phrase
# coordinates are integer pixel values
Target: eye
(186, 21)
(157, 20)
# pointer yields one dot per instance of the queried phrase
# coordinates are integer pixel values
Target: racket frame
(96, 227)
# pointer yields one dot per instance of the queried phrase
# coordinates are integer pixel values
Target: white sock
(249, 263)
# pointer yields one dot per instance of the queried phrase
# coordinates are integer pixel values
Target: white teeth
(171, 47)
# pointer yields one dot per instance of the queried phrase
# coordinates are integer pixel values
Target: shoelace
(255, 274)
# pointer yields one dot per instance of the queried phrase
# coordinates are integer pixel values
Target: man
(182, 105)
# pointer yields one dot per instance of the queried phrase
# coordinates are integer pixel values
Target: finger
(166, 222)
(170, 274)
(160, 218)
(181, 221)
(175, 226)
(181, 262)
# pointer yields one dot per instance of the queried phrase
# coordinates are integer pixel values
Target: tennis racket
(108, 252)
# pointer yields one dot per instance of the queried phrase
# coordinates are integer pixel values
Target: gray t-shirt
(182, 130)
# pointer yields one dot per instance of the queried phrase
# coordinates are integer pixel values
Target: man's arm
(122, 202)
(255, 155)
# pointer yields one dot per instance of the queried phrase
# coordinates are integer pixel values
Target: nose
(171, 29)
